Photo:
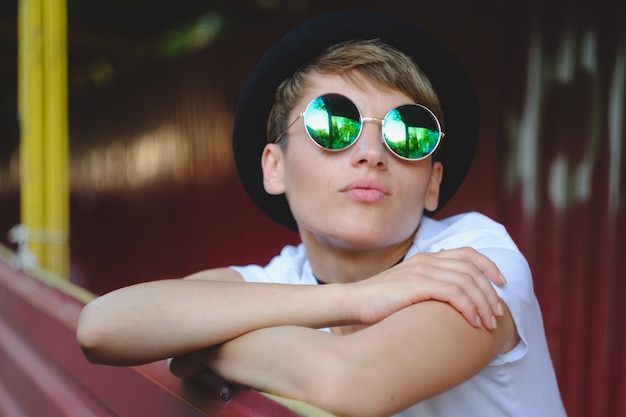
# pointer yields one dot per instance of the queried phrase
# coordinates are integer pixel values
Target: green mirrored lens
(333, 121)
(411, 131)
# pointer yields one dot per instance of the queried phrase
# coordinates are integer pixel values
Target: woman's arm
(161, 319)
(410, 356)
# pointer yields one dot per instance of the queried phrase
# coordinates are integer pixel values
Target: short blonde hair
(375, 60)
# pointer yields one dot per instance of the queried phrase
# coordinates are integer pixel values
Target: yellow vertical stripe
(56, 177)
(44, 149)
(31, 118)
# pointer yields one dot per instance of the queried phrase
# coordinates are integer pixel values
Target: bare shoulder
(217, 274)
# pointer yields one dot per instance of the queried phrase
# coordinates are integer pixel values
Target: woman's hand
(190, 365)
(460, 277)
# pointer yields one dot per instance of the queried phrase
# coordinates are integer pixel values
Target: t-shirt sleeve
(289, 267)
(517, 294)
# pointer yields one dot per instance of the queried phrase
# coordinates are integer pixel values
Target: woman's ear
(272, 164)
(431, 198)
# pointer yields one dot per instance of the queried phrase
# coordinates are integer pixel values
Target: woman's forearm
(412, 355)
(161, 319)
(284, 360)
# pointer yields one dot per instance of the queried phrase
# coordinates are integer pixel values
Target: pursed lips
(366, 191)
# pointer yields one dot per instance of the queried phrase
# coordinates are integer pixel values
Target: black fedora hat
(307, 41)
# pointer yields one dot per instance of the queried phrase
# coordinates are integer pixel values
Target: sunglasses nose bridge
(374, 119)
(370, 146)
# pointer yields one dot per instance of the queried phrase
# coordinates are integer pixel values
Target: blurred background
(152, 193)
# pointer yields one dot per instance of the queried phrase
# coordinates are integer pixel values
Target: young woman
(371, 123)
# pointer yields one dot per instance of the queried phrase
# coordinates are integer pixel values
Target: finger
(185, 366)
(475, 285)
(486, 265)
(487, 290)
(458, 298)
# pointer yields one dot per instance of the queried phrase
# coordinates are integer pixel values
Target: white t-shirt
(520, 382)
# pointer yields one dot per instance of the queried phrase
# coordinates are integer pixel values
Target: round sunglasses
(411, 131)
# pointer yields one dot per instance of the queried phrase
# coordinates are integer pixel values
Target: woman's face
(362, 197)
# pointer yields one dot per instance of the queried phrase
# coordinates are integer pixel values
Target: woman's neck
(333, 264)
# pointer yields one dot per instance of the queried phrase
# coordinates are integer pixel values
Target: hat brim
(307, 41)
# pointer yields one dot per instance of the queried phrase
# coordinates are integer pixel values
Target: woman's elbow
(90, 335)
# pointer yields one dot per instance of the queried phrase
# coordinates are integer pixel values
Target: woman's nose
(369, 148)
